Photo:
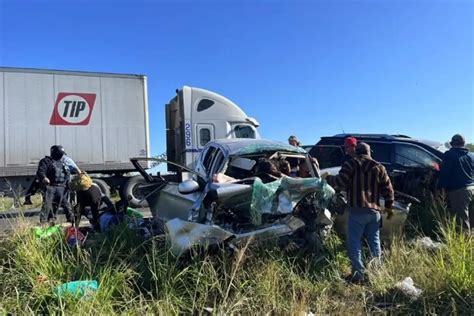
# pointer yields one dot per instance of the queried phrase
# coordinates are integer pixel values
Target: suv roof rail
(366, 135)
(401, 136)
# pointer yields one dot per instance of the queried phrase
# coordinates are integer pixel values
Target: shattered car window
(209, 157)
(218, 162)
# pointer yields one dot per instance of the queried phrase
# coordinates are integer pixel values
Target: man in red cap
(350, 144)
(365, 181)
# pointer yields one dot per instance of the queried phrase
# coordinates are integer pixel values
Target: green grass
(138, 276)
(9, 204)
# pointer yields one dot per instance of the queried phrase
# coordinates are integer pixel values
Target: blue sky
(309, 68)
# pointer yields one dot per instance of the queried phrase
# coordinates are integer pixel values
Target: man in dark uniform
(37, 184)
(55, 175)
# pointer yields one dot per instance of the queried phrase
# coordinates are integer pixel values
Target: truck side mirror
(188, 186)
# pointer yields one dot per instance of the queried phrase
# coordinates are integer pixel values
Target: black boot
(27, 200)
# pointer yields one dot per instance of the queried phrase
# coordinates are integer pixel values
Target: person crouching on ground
(364, 180)
(90, 196)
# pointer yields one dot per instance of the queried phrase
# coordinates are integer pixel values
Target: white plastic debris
(407, 286)
(428, 243)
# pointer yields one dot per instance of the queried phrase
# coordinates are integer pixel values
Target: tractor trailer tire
(104, 187)
(132, 188)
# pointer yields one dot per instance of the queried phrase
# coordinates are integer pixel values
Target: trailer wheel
(104, 187)
(132, 188)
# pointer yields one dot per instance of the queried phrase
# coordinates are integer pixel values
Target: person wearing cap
(293, 141)
(350, 144)
(365, 181)
(457, 179)
(54, 173)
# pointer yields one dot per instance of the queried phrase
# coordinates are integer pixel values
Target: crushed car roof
(243, 146)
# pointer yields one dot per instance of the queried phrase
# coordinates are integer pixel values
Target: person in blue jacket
(457, 179)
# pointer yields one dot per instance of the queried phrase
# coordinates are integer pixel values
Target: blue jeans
(362, 222)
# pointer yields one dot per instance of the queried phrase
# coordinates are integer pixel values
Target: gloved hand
(46, 181)
(389, 212)
(324, 175)
(291, 247)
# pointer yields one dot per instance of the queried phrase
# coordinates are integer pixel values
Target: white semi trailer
(102, 121)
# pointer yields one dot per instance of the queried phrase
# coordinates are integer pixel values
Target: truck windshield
(244, 131)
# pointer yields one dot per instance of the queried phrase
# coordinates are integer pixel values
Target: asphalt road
(11, 219)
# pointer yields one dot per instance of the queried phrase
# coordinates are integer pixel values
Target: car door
(169, 203)
(417, 168)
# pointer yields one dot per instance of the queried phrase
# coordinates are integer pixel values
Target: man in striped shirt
(365, 181)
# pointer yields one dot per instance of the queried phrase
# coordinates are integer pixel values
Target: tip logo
(72, 109)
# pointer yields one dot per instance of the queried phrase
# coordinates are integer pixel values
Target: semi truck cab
(196, 116)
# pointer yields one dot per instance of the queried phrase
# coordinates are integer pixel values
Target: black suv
(413, 165)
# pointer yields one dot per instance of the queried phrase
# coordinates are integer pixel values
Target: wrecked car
(241, 189)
